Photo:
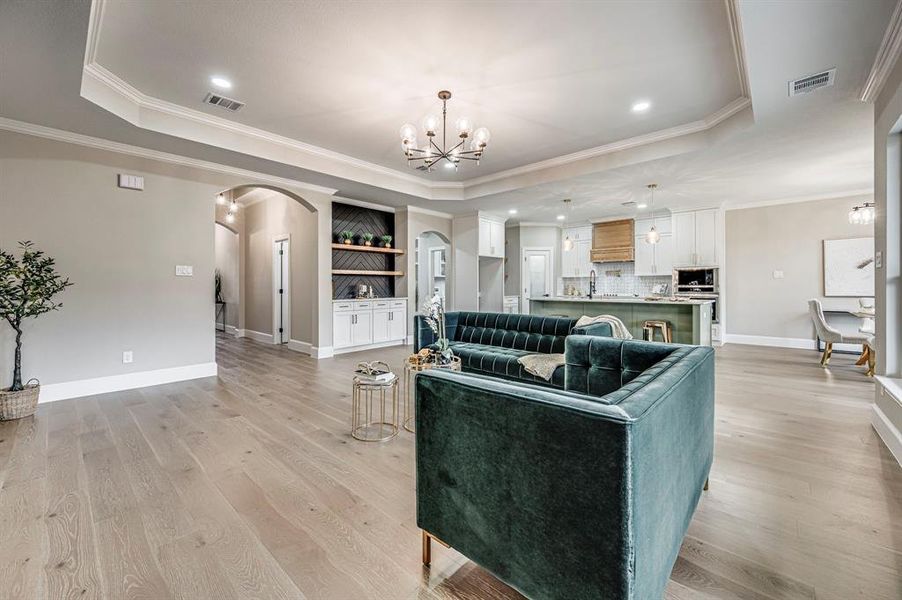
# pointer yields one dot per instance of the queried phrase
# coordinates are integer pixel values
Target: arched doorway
(433, 268)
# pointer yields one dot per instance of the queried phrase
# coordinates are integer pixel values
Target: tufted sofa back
(600, 365)
(521, 332)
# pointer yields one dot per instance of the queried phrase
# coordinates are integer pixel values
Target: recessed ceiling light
(642, 205)
(561, 217)
(512, 211)
(449, 165)
(641, 106)
(221, 83)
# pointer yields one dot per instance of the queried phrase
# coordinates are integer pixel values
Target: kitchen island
(690, 319)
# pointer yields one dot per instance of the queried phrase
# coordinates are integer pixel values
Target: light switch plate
(778, 274)
(128, 357)
(131, 182)
(184, 271)
(878, 259)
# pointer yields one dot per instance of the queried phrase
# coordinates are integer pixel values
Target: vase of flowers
(346, 237)
(386, 241)
(27, 287)
(434, 315)
(367, 239)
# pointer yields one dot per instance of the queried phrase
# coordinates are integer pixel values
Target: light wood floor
(249, 486)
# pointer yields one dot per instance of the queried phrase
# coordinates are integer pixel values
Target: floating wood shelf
(356, 248)
(357, 272)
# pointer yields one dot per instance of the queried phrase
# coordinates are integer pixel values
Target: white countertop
(621, 300)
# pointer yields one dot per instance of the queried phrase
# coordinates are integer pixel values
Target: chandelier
(233, 207)
(653, 237)
(862, 214)
(426, 157)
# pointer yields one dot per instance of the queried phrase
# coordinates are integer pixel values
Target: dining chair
(831, 335)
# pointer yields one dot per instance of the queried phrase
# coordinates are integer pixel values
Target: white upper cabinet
(491, 238)
(695, 238)
(577, 261)
(654, 259)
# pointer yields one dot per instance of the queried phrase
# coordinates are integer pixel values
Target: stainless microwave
(695, 281)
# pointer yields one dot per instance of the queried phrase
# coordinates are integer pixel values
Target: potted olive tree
(27, 287)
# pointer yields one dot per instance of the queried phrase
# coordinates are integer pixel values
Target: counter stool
(649, 327)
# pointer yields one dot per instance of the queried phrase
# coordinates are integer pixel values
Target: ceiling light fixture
(641, 106)
(233, 207)
(653, 237)
(432, 152)
(568, 243)
(221, 82)
(512, 211)
(642, 205)
(220, 199)
(561, 217)
(862, 214)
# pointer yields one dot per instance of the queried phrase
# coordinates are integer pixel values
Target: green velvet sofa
(583, 493)
(490, 343)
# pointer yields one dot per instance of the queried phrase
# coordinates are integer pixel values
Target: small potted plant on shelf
(386, 241)
(346, 237)
(27, 287)
(367, 239)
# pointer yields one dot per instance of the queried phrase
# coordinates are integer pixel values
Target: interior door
(536, 275)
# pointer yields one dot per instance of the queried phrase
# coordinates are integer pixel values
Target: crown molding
(885, 60)
(735, 22)
(425, 211)
(797, 199)
(110, 146)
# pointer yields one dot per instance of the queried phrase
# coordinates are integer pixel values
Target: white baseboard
(888, 432)
(782, 342)
(369, 346)
(410, 340)
(318, 352)
(257, 336)
(302, 347)
(127, 381)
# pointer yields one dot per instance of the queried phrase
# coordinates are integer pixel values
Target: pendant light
(862, 214)
(653, 237)
(568, 243)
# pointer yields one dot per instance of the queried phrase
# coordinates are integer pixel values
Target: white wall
(788, 238)
(120, 249)
(227, 256)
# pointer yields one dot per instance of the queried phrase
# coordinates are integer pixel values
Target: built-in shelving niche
(346, 217)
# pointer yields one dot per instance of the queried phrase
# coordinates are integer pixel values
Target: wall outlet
(878, 260)
(778, 274)
(128, 357)
(184, 271)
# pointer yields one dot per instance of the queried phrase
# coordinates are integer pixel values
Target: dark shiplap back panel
(361, 220)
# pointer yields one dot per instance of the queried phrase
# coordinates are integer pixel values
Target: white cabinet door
(583, 251)
(496, 244)
(644, 257)
(569, 260)
(342, 323)
(381, 326)
(397, 324)
(362, 328)
(485, 236)
(684, 239)
(706, 237)
(664, 256)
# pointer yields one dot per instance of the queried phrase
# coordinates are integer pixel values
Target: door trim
(286, 295)
(524, 302)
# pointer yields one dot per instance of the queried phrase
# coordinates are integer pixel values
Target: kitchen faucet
(592, 278)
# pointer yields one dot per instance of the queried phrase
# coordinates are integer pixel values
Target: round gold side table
(366, 399)
(412, 366)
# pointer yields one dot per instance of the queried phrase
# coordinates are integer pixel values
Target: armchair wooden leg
(706, 485)
(865, 351)
(427, 549)
(828, 352)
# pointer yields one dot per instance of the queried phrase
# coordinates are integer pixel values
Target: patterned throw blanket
(544, 365)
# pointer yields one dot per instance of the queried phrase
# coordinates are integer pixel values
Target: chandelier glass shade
(653, 237)
(469, 144)
(862, 214)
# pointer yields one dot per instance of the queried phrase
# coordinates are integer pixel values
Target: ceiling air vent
(812, 82)
(628, 203)
(223, 102)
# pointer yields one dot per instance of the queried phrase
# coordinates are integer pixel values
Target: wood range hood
(612, 241)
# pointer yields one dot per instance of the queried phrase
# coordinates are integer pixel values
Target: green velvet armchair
(583, 493)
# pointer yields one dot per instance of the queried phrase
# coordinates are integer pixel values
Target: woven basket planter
(16, 405)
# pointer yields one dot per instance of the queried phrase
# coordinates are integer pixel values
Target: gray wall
(263, 222)
(120, 248)
(786, 237)
(227, 256)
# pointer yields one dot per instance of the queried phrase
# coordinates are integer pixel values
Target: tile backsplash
(626, 283)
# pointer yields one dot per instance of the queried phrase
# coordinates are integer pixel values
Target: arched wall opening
(433, 268)
(263, 216)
